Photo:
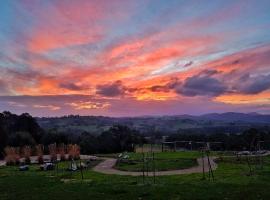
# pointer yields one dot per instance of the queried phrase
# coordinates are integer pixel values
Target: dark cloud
(72, 86)
(201, 86)
(159, 88)
(253, 85)
(244, 78)
(188, 64)
(174, 83)
(235, 62)
(208, 72)
(25, 74)
(3, 88)
(112, 89)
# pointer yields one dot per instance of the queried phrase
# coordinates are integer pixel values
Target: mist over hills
(211, 123)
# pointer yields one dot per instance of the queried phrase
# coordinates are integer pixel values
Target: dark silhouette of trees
(18, 130)
(89, 143)
(21, 138)
(21, 130)
(24, 130)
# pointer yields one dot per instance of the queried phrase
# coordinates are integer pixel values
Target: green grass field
(232, 181)
(163, 161)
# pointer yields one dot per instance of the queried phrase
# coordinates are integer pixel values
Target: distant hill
(238, 117)
(205, 124)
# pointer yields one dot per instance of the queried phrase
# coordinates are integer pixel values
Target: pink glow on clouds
(95, 56)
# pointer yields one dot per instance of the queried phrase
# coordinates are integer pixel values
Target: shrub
(73, 151)
(12, 155)
(26, 153)
(62, 152)
(53, 152)
(39, 152)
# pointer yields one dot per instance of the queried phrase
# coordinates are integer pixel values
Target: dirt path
(2, 163)
(106, 167)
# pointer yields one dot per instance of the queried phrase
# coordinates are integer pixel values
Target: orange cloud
(258, 99)
(88, 105)
(50, 107)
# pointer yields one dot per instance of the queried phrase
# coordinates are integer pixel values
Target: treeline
(21, 130)
(247, 140)
(18, 130)
(207, 129)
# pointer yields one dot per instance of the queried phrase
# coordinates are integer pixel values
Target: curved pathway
(106, 167)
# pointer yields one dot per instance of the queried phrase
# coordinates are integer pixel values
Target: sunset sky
(133, 58)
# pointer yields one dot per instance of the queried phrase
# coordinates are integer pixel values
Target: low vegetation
(232, 181)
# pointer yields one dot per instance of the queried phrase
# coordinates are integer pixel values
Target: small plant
(26, 153)
(73, 151)
(39, 152)
(62, 152)
(53, 152)
(77, 151)
(12, 156)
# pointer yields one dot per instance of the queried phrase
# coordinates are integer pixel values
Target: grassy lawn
(168, 155)
(163, 161)
(160, 164)
(231, 182)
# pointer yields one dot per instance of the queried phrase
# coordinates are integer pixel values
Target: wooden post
(70, 168)
(143, 167)
(203, 165)
(81, 169)
(260, 156)
(147, 163)
(249, 165)
(57, 168)
(210, 167)
(154, 165)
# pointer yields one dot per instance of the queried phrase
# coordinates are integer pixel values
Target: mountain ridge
(229, 122)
